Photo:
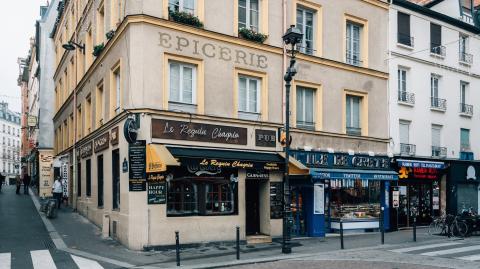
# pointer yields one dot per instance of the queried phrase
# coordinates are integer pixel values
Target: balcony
(405, 40)
(440, 152)
(407, 149)
(354, 131)
(466, 110)
(306, 125)
(354, 60)
(406, 97)
(438, 104)
(438, 50)
(465, 58)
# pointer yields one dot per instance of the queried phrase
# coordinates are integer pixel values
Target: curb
(60, 244)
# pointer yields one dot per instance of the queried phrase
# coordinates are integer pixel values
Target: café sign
(215, 166)
(86, 150)
(100, 143)
(190, 131)
(341, 160)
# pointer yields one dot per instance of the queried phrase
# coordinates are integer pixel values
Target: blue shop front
(351, 188)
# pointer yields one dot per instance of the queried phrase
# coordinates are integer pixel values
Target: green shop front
(341, 187)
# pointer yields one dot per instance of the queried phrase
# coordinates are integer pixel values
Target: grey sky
(17, 25)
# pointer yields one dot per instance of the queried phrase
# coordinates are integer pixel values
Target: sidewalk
(79, 234)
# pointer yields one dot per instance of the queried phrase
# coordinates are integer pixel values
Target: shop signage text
(114, 136)
(265, 138)
(364, 176)
(86, 150)
(417, 173)
(238, 56)
(180, 130)
(199, 169)
(137, 160)
(420, 164)
(157, 189)
(214, 166)
(257, 174)
(342, 160)
(100, 143)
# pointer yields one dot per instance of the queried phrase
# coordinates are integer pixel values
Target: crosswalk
(42, 259)
(456, 250)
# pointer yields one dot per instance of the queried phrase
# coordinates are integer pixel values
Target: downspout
(284, 62)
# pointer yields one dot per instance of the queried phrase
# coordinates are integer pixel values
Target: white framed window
(463, 44)
(117, 79)
(436, 135)
(353, 115)
(404, 132)
(305, 107)
(248, 14)
(248, 94)
(182, 82)
(353, 34)
(305, 18)
(463, 92)
(402, 80)
(182, 6)
(464, 139)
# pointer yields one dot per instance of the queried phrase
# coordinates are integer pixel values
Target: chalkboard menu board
(137, 159)
(157, 192)
(276, 200)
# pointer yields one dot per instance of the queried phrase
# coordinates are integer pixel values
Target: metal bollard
(341, 235)
(238, 243)
(382, 228)
(177, 247)
(414, 229)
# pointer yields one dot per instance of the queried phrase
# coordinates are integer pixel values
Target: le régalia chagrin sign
(180, 130)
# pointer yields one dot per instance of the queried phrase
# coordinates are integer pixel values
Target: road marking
(470, 258)
(5, 260)
(83, 263)
(439, 245)
(42, 259)
(451, 251)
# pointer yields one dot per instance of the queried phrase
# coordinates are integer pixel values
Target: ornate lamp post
(292, 37)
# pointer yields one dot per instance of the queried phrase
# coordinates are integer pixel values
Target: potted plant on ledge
(185, 18)
(110, 34)
(98, 49)
(251, 35)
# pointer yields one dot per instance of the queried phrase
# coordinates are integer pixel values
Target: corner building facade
(208, 104)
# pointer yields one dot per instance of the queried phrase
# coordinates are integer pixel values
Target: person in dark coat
(2, 180)
(26, 183)
(18, 182)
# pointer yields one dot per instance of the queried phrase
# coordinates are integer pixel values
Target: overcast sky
(17, 25)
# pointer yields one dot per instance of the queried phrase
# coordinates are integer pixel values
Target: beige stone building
(209, 103)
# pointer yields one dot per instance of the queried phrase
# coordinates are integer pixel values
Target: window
(463, 92)
(355, 198)
(79, 122)
(182, 5)
(353, 115)
(437, 150)
(100, 24)
(436, 39)
(353, 44)
(404, 129)
(115, 92)
(65, 134)
(462, 48)
(182, 198)
(402, 85)
(220, 198)
(464, 139)
(88, 49)
(99, 106)
(116, 13)
(305, 18)
(182, 83)
(100, 180)
(249, 94)
(89, 177)
(248, 14)
(116, 179)
(436, 102)
(403, 24)
(71, 136)
(79, 179)
(88, 115)
(8, 128)
(305, 108)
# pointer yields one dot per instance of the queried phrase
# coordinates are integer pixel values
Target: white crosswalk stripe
(5, 260)
(424, 247)
(42, 259)
(83, 263)
(470, 258)
(451, 251)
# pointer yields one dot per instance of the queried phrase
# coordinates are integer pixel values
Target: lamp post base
(286, 249)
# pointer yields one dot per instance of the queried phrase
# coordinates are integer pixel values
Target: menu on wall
(319, 199)
(276, 200)
(137, 159)
(157, 189)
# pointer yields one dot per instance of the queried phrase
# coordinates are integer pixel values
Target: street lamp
(292, 37)
(72, 46)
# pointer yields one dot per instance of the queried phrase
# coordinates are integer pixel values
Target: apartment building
(434, 71)
(167, 114)
(10, 143)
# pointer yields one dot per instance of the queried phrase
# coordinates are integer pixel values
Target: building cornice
(377, 3)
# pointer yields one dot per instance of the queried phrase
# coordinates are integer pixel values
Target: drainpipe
(284, 55)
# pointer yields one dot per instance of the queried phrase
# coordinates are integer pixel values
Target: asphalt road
(335, 265)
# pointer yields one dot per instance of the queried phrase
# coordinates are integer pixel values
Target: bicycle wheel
(459, 229)
(434, 228)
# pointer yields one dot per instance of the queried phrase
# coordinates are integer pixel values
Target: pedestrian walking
(18, 182)
(2, 180)
(26, 183)
(57, 190)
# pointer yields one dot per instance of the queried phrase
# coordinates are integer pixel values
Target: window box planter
(110, 34)
(184, 18)
(252, 35)
(98, 49)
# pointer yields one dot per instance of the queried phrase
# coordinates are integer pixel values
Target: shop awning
(295, 167)
(420, 164)
(324, 173)
(158, 158)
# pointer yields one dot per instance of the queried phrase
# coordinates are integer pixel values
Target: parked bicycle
(449, 225)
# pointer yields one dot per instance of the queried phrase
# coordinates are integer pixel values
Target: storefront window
(219, 198)
(354, 198)
(467, 198)
(182, 198)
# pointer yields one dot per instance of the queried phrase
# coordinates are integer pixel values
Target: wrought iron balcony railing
(355, 60)
(306, 125)
(406, 97)
(438, 50)
(466, 109)
(440, 152)
(405, 39)
(438, 103)
(354, 130)
(465, 57)
(407, 149)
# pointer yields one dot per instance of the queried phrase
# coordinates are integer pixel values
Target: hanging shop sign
(156, 188)
(265, 138)
(341, 160)
(46, 176)
(86, 150)
(137, 171)
(418, 173)
(276, 200)
(130, 130)
(64, 175)
(32, 121)
(213, 165)
(420, 164)
(180, 130)
(114, 136)
(319, 199)
(101, 143)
